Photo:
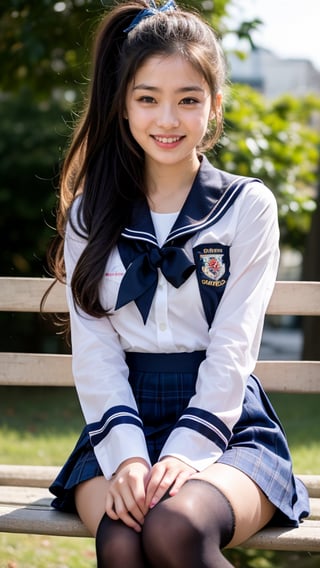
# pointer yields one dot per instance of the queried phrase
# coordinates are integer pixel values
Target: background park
(45, 62)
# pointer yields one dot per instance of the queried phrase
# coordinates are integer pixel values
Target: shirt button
(163, 326)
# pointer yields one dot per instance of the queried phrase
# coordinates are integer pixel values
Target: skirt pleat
(163, 385)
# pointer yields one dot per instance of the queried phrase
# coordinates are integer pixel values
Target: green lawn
(41, 426)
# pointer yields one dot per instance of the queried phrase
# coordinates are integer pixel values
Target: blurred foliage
(30, 140)
(47, 44)
(45, 52)
(274, 140)
(44, 44)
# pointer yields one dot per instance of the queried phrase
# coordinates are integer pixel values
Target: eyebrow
(186, 89)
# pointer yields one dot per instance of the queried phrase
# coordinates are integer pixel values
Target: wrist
(134, 460)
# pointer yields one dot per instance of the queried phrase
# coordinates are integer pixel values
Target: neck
(168, 186)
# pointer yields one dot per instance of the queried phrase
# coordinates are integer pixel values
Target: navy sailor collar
(212, 193)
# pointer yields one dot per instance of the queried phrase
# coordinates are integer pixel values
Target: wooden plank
(314, 508)
(43, 369)
(28, 475)
(295, 298)
(312, 483)
(31, 369)
(36, 496)
(42, 476)
(24, 295)
(289, 376)
(304, 538)
(41, 497)
(41, 520)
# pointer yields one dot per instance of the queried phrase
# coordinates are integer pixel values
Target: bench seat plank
(43, 520)
(37, 519)
(41, 497)
(305, 537)
(31, 495)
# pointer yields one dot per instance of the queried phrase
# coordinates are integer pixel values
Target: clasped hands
(135, 488)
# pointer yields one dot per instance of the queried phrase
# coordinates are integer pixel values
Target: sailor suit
(168, 370)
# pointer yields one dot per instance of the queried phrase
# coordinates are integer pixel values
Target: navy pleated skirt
(258, 446)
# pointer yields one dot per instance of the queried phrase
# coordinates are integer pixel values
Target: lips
(167, 139)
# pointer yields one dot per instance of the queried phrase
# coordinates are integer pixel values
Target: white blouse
(162, 223)
(177, 323)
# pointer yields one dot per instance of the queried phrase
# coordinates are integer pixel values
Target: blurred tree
(311, 272)
(45, 51)
(45, 48)
(273, 140)
(30, 141)
(278, 142)
(46, 44)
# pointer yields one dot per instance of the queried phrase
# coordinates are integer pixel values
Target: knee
(116, 544)
(167, 531)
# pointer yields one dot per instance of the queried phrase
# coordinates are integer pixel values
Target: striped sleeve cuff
(113, 417)
(207, 424)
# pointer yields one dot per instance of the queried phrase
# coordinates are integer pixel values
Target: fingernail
(153, 503)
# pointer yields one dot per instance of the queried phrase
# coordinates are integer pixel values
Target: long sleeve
(204, 429)
(101, 379)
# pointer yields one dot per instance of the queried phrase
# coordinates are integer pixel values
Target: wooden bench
(24, 497)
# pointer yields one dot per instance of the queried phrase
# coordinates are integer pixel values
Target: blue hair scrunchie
(170, 5)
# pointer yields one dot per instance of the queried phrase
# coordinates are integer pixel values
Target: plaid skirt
(258, 445)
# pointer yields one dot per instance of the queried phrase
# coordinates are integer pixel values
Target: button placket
(161, 312)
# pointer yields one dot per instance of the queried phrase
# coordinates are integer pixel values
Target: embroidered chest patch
(213, 265)
(212, 268)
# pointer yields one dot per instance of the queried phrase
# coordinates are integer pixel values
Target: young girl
(170, 264)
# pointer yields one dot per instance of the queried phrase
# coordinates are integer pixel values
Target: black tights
(185, 531)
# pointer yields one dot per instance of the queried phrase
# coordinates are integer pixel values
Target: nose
(168, 116)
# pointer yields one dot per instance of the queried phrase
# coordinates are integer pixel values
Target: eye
(146, 99)
(189, 101)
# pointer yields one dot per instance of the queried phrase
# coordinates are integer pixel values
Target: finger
(179, 482)
(156, 475)
(136, 497)
(158, 491)
(110, 508)
(133, 509)
(124, 515)
(125, 500)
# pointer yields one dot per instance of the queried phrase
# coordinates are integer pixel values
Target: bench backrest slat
(24, 295)
(55, 370)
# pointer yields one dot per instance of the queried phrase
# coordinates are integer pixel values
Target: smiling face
(168, 106)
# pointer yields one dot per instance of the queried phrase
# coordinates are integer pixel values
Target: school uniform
(169, 370)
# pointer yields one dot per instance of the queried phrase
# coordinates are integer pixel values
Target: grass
(41, 426)
(31, 551)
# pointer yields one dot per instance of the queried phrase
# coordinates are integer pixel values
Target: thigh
(252, 509)
(90, 502)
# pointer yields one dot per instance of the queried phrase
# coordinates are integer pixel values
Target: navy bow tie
(140, 280)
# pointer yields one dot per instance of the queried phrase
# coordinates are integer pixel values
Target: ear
(216, 106)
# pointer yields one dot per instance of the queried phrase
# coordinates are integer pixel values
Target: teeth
(170, 140)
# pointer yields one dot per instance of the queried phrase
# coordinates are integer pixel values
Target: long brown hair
(104, 163)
